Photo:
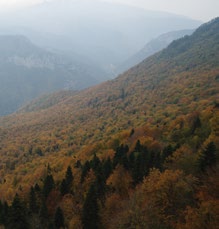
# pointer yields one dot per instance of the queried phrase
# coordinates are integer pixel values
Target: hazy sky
(197, 9)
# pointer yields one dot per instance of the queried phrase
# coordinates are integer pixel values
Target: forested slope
(139, 151)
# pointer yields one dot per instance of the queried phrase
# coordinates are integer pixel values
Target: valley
(137, 151)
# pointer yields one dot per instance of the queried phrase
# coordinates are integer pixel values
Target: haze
(52, 45)
(197, 9)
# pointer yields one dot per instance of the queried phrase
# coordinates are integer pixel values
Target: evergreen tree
(167, 151)
(90, 216)
(100, 185)
(59, 218)
(17, 215)
(37, 188)
(121, 152)
(48, 185)
(86, 168)
(208, 157)
(43, 213)
(69, 178)
(139, 163)
(66, 183)
(138, 146)
(32, 201)
(95, 163)
(107, 168)
(2, 215)
(64, 187)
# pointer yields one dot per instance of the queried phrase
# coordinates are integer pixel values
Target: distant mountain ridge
(155, 45)
(27, 71)
(106, 33)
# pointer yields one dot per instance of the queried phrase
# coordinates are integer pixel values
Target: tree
(86, 168)
(48, 185)
(95, 162)
(121, 152)
(90, 214)
(167, 151)
(69, 177)
(208, 157)
(63, 187)
(107, 168)
(59, 218)
(3, 213)
(32, 201)
(17, 215)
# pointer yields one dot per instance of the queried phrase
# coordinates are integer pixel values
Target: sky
(203, 10)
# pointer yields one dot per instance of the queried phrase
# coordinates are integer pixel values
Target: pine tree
(59, 218)
(69, 178)
(208, 157)
(95, 162)
(90, 216)
(86, 168)
(64, 187)
(48, 185)
(17, 215)
(167, 151)
(32, 201)
(43, 215)
(107, 168)
(1, 213)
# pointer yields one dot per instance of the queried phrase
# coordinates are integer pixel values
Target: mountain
(155, 126)
(28, 71)
(152, 47)
(104, 32)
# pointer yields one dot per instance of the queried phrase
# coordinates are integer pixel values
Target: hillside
(156, 126)
(153, 46)
(28, 71)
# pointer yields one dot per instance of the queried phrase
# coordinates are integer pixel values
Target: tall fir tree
(17, 215)
(208, 157)
(90, 213)
(59, 218)
(69, 177)
(32, 201)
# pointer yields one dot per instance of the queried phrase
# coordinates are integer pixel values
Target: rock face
(27, 71)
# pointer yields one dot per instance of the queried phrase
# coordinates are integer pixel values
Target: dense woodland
(140, 151)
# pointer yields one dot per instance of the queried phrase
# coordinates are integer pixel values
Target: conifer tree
(208, 157)
(90, 216)
(69, 177)
(86, 168)
(64, 187)
(17, 215)
(32, 201)
(48, 185)
(59, 218)
(107, 168)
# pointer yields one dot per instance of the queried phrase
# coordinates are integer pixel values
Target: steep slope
(162, 113)
(152, 47)
(28, 71)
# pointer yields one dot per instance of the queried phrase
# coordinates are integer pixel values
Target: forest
(140, 151)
